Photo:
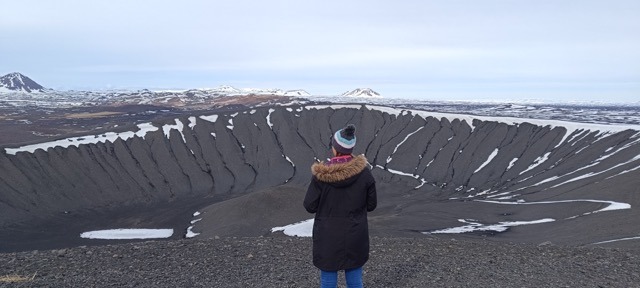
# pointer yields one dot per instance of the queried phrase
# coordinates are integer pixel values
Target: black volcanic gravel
(286, 262)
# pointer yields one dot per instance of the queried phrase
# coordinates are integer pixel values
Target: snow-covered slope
(298, 92)
(16, 82)
(489, 173)
(226, 89)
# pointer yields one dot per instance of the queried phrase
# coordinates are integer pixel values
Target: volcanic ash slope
(536, 180)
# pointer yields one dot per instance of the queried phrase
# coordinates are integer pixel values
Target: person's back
(341, 193)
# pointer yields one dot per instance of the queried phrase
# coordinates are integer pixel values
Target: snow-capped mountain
(362, 92)
(226, 89)
(261, 91)
(299, 92)
(278, 92)
(16, 82)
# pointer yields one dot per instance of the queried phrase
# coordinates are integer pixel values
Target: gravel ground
(286, 262)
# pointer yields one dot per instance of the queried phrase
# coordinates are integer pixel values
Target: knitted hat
(344, 139)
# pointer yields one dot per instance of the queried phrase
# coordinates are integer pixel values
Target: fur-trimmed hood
(339, 172)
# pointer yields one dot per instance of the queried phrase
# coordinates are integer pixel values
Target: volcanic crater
(246, 171)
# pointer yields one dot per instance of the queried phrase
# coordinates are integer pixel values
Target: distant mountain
(16, 82)
(225, 89)
(296, 93)
(231, 91)
(362, 92)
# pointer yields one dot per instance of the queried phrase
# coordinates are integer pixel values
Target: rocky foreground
(286, 262)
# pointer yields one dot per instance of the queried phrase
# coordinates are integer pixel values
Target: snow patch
(210, 118)
(299, 229)
(178, 126)
(190, 233)
(121, 234)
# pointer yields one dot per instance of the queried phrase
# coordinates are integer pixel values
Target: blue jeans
(329, 279)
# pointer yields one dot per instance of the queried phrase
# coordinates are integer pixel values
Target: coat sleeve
(372, 196)
(312, 199)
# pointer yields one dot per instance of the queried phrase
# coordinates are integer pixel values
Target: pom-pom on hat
(344, 139)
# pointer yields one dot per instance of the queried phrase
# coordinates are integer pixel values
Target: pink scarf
(339, 159)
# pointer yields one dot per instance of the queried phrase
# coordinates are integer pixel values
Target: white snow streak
(578, 133)
(537, 162)
(493, 154)
(630, 144)
(144, 128)
(591, 174)
(476, 226)
(417, 177)
(613, 205)
(616, 240)
(405, 139)
(428, 164)
(402, 173)
(271, 110)
(288, 159)
(624, 172)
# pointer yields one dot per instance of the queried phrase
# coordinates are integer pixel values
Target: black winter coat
(341, 195)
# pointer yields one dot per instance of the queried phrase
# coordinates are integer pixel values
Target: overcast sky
(448, 49)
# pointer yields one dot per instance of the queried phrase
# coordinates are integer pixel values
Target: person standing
(340, 194)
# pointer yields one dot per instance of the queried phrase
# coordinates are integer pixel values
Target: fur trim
(339, 172)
